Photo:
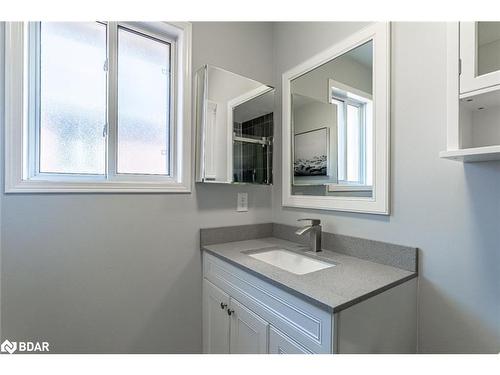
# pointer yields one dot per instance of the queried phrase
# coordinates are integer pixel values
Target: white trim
(16, 164)
(485, 153)
(378, 204)
(359, 95)
(348, 187)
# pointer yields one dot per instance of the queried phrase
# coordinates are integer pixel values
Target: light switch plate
(242, 202)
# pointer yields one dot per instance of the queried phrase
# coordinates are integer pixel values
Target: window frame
(20, 136)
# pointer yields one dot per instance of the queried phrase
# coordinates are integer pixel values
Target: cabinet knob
(223, 305)
(230, 312)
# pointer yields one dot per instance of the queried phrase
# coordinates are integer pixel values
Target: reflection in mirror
(332, 122)
(234, 116)
(488, 47)
(253, 140)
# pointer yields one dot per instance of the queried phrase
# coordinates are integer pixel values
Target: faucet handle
(313, 221)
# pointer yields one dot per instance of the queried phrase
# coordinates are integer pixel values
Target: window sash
(171, 78)
(33, 108)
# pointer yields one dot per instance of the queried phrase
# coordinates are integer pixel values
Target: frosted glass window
(72, 98)
(143, 104)
(353, 143)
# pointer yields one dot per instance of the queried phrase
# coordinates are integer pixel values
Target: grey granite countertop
(352, 280)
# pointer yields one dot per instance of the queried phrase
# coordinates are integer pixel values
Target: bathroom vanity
(269, 295)
(263, 291)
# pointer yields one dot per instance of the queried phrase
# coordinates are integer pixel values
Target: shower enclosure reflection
(234, 117)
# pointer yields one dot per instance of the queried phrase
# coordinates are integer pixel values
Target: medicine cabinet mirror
(336, 126)
(234, 116)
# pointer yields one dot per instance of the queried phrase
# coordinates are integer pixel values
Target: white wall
(111, 273)
(343, 69)
(450, 210)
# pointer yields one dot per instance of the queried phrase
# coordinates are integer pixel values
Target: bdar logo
(24, 346)
(8, 347)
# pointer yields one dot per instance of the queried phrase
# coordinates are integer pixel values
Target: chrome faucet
(314, 231)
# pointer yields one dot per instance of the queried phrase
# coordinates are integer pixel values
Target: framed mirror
(234, 117)
(336, 126)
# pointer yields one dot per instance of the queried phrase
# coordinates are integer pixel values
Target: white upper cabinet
(473, 91)
(480, 56)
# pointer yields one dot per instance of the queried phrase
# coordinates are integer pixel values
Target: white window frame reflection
(342, 96)
(342, 139)
(21, 143)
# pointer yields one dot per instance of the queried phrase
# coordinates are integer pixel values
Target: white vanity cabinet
(229, 327)
(215, 320)
(244, 314)
(279, 343)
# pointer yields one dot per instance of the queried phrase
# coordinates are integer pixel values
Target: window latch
(105, 130)
(105, 66)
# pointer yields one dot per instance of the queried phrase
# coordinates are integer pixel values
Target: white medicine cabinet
(473, 104)
(234, 121)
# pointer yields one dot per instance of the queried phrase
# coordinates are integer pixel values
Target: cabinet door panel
(249, 332)
(480, 61)
(279, 343)
(215, 320)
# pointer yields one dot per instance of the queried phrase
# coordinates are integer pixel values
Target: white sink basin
(290, 261)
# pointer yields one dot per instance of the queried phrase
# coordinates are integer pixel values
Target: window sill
(38, 186)
(348, 187)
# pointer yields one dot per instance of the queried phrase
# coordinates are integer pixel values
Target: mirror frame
(379, 33)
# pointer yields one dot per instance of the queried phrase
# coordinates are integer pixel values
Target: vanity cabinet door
(249, 332)
(215, 320)
(279, 343)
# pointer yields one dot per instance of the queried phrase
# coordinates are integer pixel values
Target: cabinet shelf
(474, 154)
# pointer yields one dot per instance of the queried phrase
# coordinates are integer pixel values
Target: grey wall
(450, 210)
(110, 273)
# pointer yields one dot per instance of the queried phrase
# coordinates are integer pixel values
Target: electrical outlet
(242, 202)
